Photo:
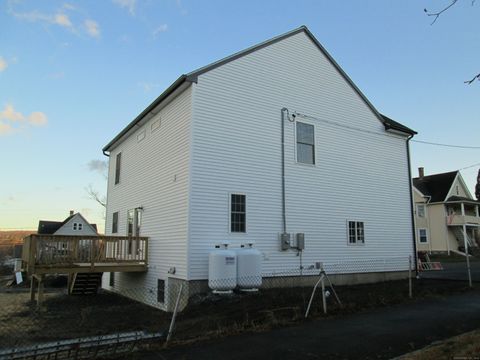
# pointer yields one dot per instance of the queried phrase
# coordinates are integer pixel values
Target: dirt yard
(207, 316)
(67, 317)
(465, 346)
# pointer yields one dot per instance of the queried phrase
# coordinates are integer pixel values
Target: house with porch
(446, 215)
(273, 141)
(74, 248)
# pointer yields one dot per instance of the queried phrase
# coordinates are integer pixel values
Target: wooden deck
(51, 254)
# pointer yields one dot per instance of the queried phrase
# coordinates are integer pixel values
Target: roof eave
(176, 84)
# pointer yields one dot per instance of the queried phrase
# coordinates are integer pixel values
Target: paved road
(379, 334)
(455, 271)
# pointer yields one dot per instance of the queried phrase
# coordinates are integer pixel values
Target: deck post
(410, 276)
(40, 290)
(465, 244)
(32, 288)
(92, 256)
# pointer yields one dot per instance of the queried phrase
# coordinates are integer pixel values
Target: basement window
(118, 161)
(161, 291)
(422, 236)
(305, 143)
(238, 221)
(356, 233)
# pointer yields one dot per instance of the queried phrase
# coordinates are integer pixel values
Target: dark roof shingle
(436, 186)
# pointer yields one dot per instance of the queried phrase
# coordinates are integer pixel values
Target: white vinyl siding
(155, 177)
(237, 145)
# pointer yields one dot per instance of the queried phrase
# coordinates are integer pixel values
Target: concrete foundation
(193, 287)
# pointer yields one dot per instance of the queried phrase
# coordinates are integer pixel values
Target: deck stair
(458, 232)
(85, 283)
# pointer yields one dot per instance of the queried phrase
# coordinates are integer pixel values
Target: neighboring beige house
(445, 211)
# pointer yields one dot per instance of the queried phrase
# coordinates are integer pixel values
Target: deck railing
(64, 251)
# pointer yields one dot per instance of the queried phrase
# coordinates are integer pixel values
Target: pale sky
(74, 73)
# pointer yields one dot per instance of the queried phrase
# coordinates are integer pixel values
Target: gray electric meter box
(300, 241)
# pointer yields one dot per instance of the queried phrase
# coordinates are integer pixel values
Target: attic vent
(141, 136)
(156, 124)
(161, 291)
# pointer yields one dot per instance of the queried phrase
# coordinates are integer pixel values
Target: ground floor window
(356, 232)
(238, 213)
(422, 236)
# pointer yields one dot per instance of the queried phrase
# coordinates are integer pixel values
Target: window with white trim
(423, 236)
(77, 226)
(356, 232)
(238, 213)
(305, 143)
(115, 222)
(421, 210)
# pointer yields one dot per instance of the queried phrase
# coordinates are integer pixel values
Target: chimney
(421, 172)
(71, 212)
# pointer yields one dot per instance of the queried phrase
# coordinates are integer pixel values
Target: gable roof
(435, 186)
(193, 77)
(46, 227)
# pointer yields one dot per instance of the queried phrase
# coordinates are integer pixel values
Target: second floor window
(305, 143)
(421, 210)
(118, 162)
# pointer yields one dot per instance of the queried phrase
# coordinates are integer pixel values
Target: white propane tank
(222, 269)
(249, 268)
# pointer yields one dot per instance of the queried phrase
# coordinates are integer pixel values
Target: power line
(470, 166)
(446, 145)
(354, 128)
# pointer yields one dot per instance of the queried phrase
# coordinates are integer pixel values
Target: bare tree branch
(437, 14)
(476, 77)
(94, 195)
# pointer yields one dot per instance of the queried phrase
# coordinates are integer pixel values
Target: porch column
(476, 211)
(463, 209)
(465, 244)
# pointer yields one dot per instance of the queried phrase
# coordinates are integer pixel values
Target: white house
(74, 224)
(274, 139)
